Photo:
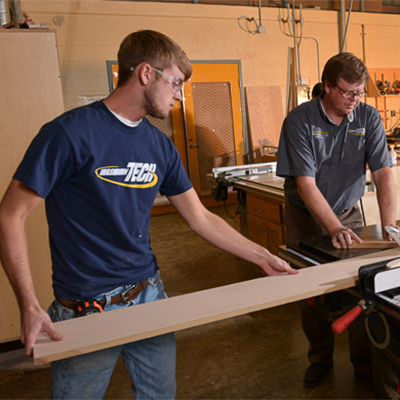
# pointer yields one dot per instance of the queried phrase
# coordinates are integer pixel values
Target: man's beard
(151, 104)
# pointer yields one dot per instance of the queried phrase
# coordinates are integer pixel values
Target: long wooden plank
(374, 244)
(96, 332)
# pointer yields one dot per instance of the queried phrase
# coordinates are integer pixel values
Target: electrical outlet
(392, 113)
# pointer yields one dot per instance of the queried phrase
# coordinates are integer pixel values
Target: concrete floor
(256, 356)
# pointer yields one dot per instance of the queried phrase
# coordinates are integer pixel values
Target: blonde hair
(152, 47)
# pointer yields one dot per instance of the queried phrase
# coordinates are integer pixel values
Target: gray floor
(256, 356)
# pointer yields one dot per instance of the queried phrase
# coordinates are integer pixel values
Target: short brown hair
(346, 66)
(152, 47)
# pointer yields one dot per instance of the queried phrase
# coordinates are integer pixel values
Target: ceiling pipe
(10, 13)
(5, 12)
(342, 18)
(16, 12)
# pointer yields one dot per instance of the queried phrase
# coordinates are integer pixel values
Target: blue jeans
(150, 362)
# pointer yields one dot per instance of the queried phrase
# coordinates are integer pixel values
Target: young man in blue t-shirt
(99, 168)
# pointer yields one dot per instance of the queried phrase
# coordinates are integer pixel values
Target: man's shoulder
(303, 110)
(303, 117)
(157, 133)
(81, 113)
(88, 114)
(366, 109)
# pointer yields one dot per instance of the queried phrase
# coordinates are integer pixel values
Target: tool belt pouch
(88, 307)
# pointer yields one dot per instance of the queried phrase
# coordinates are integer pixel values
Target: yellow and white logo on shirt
(134, 175)
(318, 132)
(357, 132)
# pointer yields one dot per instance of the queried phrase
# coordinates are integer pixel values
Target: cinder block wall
(90, 31)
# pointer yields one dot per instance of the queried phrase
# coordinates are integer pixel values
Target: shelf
(389, 75)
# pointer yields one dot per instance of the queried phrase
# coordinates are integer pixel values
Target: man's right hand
(34, 322)
(342, 238)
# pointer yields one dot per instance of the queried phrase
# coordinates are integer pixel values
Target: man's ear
(327, 86)
(144, 73)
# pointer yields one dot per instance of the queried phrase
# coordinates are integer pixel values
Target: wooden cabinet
(30, 95)
(265, 221)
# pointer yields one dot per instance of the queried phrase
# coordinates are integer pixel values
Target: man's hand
(276, 266)
(342, 238)
(387, 236)
(34, 322)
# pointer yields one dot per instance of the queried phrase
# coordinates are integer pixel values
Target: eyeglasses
(175, 82)
(349, 94)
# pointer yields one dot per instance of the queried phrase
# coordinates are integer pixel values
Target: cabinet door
(265, 233)
(265, 208)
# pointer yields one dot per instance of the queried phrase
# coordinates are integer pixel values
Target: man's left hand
(343, 238)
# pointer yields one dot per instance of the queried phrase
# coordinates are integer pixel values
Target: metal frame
(110, 74)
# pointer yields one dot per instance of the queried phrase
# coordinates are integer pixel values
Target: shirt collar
(125, 121)
(349, 116)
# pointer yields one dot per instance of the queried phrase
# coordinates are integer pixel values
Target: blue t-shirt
(100, 178)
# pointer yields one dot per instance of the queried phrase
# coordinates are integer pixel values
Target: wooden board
(265, 113)
(320, 247)
(374, 244)
(96, 332)
(30, 96)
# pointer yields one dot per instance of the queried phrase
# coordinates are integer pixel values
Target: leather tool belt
(124, 297)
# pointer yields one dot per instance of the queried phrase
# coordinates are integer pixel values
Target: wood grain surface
(265, 113)
(96, 332)
(374, 244)
(30, 96)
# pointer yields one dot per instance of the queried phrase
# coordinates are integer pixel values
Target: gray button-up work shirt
(336, 156)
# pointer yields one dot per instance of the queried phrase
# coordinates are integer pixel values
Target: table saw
(319, 250)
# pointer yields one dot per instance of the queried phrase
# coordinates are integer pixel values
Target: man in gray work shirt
(324, 148)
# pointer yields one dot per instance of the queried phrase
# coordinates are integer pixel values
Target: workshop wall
(90, 31)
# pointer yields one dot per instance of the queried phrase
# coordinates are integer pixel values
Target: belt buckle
(125, 300)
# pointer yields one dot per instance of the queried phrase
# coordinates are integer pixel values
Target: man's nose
(178, 95)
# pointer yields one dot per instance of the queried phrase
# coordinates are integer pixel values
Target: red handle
(343, 322)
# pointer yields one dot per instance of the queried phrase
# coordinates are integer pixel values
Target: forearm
(18, 202)
(319, 208)
(387, 208)
(341, 236)
(386, 196)
(226, 238)
(220, 234)
(15, 261)
(15, 207)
